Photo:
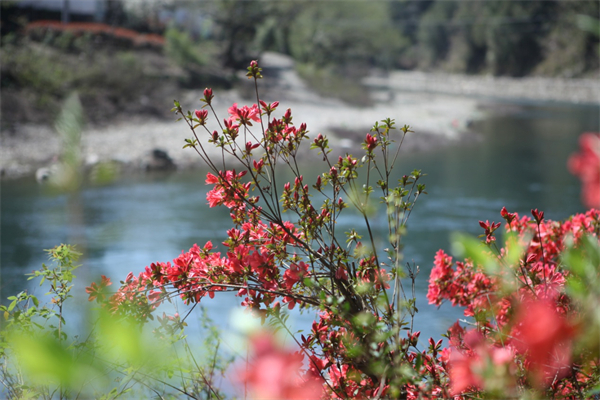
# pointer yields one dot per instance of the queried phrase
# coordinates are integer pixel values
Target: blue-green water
(520, 163)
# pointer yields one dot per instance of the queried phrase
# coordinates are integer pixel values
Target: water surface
(520, 163)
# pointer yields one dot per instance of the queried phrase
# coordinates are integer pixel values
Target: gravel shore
(439, 108)
(577, 91)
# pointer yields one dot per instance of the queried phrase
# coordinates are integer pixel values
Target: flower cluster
(273, 263)
(586, 165)
(526, 323)
(284, 250)
(275, 373)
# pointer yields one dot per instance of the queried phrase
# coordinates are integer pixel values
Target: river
(520, 163)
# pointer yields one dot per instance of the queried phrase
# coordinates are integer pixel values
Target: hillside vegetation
(334, 44)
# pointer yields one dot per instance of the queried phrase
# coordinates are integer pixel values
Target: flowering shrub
(44, 355)
(285, 250)
(524, 300)
(586, 165)
(275, 372)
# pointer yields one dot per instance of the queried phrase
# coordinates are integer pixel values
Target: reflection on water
(520, 164)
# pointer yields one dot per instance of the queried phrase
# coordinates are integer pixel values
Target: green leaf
(514, 249)
(466, 246)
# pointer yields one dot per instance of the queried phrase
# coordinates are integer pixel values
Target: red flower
(244, 114)
(201, 115)
(489, 229)
(538, 215)
(545, 337)
(586, 166)
(294, 274)
(274, 373)
(208, 96)
(506, 215)
(370, 142)
(250, 146)
(98, 291)
(470, 366)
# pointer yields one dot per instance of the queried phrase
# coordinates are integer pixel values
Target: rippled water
(520, 163)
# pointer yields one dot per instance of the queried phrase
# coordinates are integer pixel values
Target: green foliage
(508, 37)
(572, 46)
(181, 49)
(238, 22)
(46, 74)
(340, 33)
(583, 285)
(493, 36)
(433, 35)
(24, 319)
(39, 358)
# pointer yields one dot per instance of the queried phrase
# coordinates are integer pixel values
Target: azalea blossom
(275, 373)
(545, 340)
(244, 114)
(586, 166)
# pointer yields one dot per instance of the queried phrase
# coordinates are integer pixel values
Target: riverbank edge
(526, 89)
(440, 107)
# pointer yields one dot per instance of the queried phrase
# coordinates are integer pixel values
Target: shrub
(284, 249)
(43, 357)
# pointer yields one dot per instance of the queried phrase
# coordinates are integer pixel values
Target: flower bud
(538, 215)
(208, 95)
(287, 117)
(201, 115)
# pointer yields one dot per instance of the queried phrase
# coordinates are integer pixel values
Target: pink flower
(294, 273)
(538, 215)
(274, 372)
(208, 96)
(201, 115)
(545, 337)
(586, 166)
(479, 359)
(506, 215)
(244, 114)
(489, 230)
(370, 142)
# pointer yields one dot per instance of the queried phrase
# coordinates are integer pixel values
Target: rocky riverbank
(576, 91)
(439, 108)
